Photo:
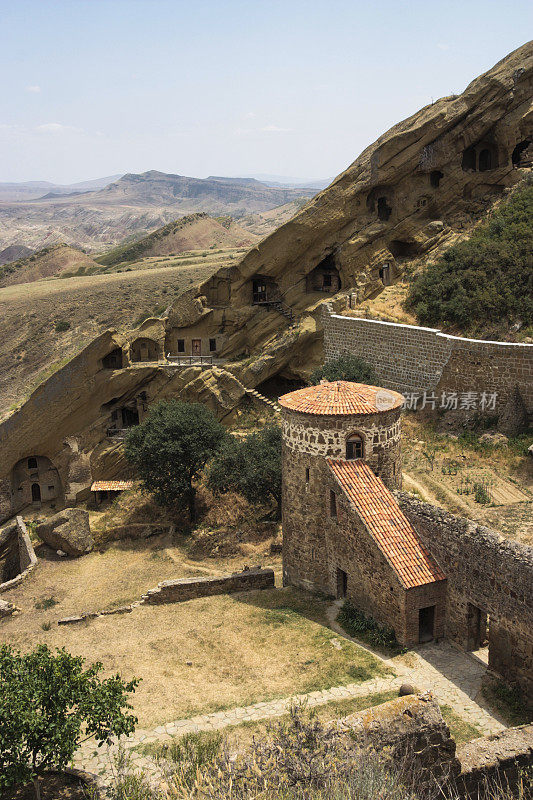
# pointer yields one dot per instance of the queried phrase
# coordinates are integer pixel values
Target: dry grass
(91, 304)
(242, 648)
(508, 468)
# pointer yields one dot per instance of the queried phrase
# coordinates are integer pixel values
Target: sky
(298, 88)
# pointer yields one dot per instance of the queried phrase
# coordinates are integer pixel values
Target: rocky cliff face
(412, 192)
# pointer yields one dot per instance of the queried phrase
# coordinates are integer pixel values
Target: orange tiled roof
(388, 525)
(340, 398)
(111, 486)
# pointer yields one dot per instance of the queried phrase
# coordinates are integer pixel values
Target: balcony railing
(189, 361)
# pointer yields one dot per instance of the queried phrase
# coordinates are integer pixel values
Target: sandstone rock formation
(413, 192)
(68, 531)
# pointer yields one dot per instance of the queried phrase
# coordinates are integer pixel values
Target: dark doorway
(384, 210)
(113, 360)
(259, 291)
(485, 160)
(196, 347)
(477, 626)
(384, 274)
(35, 493)
(426, 624)
(130, 417)
(469, 159)
(519, 152)
(342, 584)
(435, 178)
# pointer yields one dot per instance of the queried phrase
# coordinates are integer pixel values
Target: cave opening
(384, 209)
(519, 153)
(435, 178)
(403, 249)
(324, 277)
(469, 159)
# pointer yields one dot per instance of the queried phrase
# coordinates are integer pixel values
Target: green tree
(344, 368)
(49, 704)
(171, 447)
(250, 466)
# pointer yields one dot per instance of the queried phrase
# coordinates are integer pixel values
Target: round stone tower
(333, 420)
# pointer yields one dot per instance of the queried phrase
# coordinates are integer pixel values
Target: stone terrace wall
(412, 727)
(189, 588)
(21, 555)
(408, 358)
(505, 759)
(485, 571)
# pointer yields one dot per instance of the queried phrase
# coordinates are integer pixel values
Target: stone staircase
(258, 396)
(281, 308)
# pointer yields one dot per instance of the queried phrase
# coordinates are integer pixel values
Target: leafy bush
(251, 466)
(61, 326)
(49, 704)
(170, 448)
(363, 627)
(345, 368)
(485, 280)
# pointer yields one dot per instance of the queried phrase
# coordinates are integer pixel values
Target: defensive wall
(490, 580)
(413, 359)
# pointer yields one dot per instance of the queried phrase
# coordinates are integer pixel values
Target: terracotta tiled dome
(341, 398)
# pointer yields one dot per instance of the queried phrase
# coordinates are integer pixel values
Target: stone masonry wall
(22, 558)
(325, 437)
(189, 588)
(504, 759)
(411, 729)
(408, 359)
(485, 571)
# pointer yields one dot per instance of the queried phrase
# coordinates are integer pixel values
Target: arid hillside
(29, 314)
(132, 206)
(46, 263)
(194, 232)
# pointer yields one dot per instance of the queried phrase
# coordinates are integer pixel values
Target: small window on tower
(354, 447)
(332, 504)
(181, 345)
(212, 345)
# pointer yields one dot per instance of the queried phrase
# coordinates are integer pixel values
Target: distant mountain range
(132, 205)
(31, 190)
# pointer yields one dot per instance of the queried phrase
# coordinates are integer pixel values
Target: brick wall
(189, 588)
(408, 358)
(485, 571)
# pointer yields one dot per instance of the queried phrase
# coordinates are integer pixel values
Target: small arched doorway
(485, 160)
(355, 448)
(35, 493)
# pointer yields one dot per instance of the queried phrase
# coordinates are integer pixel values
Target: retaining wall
(189, 588)
(410, 359)
(21, 555)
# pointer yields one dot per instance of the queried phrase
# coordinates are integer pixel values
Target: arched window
(354, 447)
(485, 160)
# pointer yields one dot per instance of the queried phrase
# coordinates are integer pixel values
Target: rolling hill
(46, 263)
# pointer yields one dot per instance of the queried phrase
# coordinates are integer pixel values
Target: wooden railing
(187, 361)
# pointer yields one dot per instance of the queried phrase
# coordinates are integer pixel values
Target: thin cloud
(274, 129)
(33, 89)
(56, 127)
(443, 46)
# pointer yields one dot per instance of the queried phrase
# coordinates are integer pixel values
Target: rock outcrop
(68, 531)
